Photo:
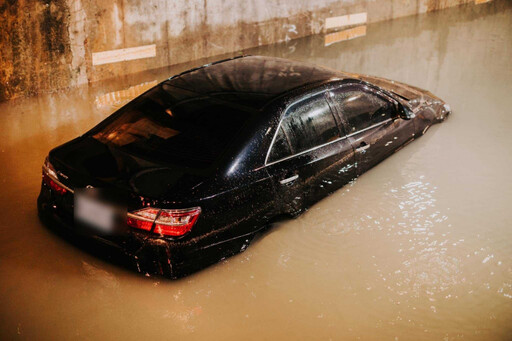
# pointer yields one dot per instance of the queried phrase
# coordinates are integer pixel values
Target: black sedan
(187, 173)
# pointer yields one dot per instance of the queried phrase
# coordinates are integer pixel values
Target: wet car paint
(242, 192)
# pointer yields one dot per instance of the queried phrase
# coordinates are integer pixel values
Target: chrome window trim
(282, 118)
(364, 86)
(330, 142)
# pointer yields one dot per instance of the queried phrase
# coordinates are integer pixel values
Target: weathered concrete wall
(52, 44)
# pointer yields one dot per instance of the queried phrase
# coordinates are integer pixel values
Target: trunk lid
(86, 161)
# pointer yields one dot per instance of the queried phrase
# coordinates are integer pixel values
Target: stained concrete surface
(49, 44)
(418, 248)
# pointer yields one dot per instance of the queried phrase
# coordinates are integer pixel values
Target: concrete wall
(52, 44)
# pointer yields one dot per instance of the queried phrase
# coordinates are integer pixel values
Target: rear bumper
(146, 253)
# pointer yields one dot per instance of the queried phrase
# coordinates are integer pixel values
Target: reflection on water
(418, 248)
(116, 99)
(347, 34)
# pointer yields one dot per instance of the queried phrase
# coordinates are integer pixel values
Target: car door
(373, 122)
(309, 154)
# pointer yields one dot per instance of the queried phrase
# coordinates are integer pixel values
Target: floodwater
(418, 248)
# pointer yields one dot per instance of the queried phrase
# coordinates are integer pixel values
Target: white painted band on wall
(346, 20)
(121, 55)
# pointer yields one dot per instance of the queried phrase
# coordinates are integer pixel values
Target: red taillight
(143, 219)
(50, 178)
(53, 185)
(172, 222)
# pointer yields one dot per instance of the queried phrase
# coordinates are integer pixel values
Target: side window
(306, 124)
(362, 109)
(280, 148)
(309, 123)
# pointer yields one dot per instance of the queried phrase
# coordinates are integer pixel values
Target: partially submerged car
(187, 173)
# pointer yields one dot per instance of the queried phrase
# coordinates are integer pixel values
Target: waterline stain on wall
(53, 44)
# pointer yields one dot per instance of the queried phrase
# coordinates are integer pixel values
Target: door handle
(362, 147)
(288, 180)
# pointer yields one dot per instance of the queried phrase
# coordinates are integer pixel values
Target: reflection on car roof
(251, 81)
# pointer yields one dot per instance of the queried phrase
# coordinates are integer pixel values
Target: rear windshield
(174, 126)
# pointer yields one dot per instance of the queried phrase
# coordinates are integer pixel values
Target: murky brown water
(419, 248)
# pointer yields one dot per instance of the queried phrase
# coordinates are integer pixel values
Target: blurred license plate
(94, 213)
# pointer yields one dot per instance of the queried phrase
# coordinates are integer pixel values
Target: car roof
(251, 81)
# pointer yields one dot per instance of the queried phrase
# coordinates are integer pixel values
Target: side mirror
(405, 112)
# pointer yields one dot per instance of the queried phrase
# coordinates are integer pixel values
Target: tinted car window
(280, 148)
(362, 109)
(309, 123)
(173, 127)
